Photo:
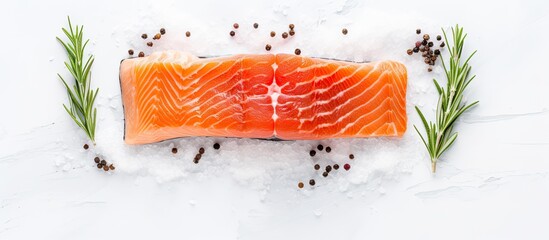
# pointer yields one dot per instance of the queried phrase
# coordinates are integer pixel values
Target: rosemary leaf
(81, 97)
(450, 106)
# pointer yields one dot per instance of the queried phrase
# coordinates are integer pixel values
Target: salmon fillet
(174, 94)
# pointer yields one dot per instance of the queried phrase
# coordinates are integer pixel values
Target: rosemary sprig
(439, 134)
(81, 96)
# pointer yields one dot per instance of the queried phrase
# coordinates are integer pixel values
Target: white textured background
(493, 184)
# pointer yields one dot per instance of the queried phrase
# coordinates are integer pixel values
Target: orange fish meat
(174, 94)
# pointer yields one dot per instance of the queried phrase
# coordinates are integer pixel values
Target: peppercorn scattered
(99, 165)
(320, 147)
(317, 166)
(144, 36)
(268, 47)
(157, 36)
(197, 158)
(216, 146)
(162, 31)
(273, 33)
(426, 48)
(442, 44)
(141, 54)
(174, 150)
(312, 182)
(351, 156)
(256, 25)
(188, 34)
(328, 149)
(328, 168)
(86, 146)
(284, 35)
(297, 51)
(300, 184)
(111, 167)
(325, 174)
(347, 166)
(150, 44)
(130, 52)
(103, 162)
(291, 26)
(235, 25)
(344, 31)
(232, 33)
(292, 32)
(312, 153)
(201, 151)
(106, 168)
(96, 160)
(336, 166)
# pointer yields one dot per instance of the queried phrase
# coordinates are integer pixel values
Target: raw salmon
(174, 94)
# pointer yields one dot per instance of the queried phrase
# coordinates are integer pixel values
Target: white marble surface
(493, 184)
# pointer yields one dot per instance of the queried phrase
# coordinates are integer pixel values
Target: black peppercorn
(273, 34)
(328, 149)
(439, 37)
(418, 31)
(416, 49)
(216, 146)
(201, 151)
(256, 25)
(232, 33)
(351, 156)
(325, 174)
(336, 166)
(130, 52)
(96, 160)
(268, 47)
(144, 36)
(162, 31)
(344, 31)
(317, 166)
(312, 182)
(297, 51)
(312, 153)
(328, 168)
(188, 34)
